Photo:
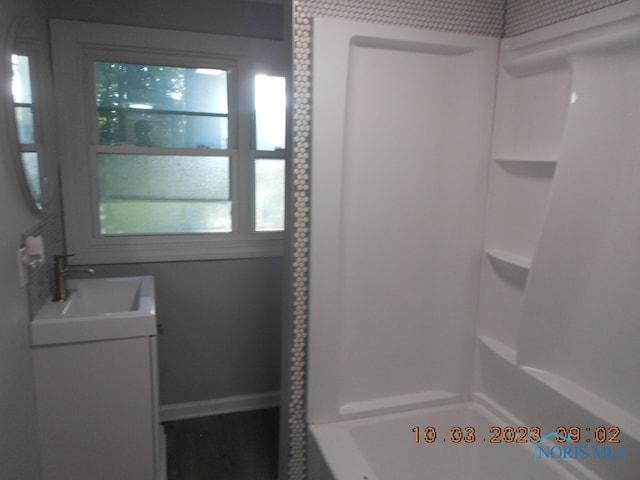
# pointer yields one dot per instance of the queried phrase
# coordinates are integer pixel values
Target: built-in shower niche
(504, 280)
(518, 200)
(531, 114)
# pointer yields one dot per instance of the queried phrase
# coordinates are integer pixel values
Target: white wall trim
(216, 406)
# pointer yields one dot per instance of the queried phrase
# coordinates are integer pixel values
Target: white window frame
(76, 46)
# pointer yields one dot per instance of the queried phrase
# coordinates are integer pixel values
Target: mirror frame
(27, 37)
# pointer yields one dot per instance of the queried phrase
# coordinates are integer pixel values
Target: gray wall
(18, 443)
(221, 319)
(225, 17)
(221, 322)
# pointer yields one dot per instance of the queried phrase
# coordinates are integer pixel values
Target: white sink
(98, 309)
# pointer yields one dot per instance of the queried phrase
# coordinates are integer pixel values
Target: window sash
(185, 107)
(96, 195)
(259, 222)
(142, 56)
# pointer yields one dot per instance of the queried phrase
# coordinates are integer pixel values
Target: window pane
(162, 130)
(270, 106)
(164, 194)
(32, 172)
(24, 125)
(269, 207)
(22, 98)
(162, 106)
(21, 80)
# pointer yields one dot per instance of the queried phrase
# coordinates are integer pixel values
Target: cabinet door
(95, 410)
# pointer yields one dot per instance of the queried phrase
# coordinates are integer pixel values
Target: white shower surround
(545, 317)
(397, 212)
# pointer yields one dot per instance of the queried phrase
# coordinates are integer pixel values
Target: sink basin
(98, 309)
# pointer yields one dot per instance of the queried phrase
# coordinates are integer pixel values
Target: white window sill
(134, 250)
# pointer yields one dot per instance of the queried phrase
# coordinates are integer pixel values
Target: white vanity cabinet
(96, 390)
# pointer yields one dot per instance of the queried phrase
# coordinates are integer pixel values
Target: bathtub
(384, 447)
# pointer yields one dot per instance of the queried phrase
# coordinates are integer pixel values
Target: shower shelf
(499, 348)
(524, 161)
(510, 259)
(540, 169)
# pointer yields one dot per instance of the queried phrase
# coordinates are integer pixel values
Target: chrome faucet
(61, 271)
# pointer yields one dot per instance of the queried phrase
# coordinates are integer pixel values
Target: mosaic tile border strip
(462, 16)
(526, 15)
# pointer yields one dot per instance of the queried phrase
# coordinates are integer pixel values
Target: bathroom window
(183, 154)
(26, 124)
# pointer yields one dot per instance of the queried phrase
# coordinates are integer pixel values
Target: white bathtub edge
(340, 453)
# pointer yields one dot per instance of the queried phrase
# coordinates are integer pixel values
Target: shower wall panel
(401, 133)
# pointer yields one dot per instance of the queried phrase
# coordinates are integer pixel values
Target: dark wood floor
(235, 446)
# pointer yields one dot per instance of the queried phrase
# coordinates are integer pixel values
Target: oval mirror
(26, 57)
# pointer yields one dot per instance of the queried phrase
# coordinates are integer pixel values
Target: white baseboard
(238, 403)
